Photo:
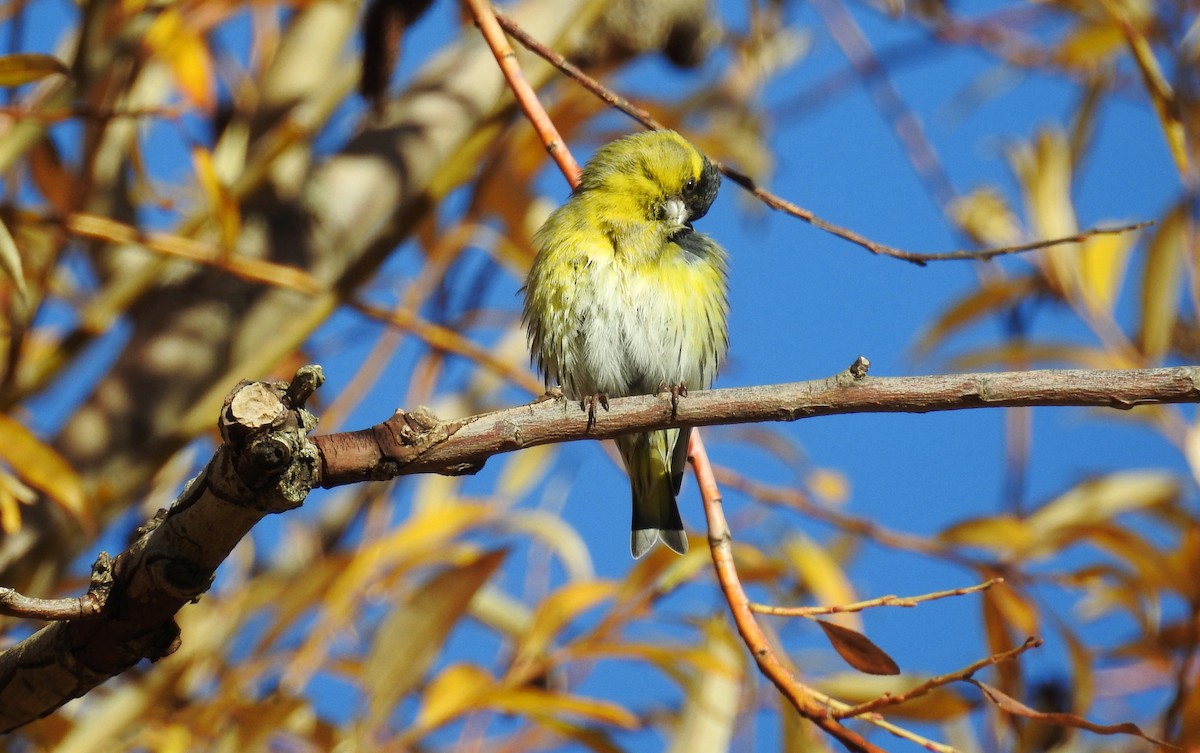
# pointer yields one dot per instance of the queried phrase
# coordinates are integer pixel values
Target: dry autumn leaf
(858, 650)
(1015, 707)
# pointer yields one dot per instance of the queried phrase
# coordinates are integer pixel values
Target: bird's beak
(675, 211)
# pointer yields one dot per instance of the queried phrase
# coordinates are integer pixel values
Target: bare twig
(777, 202)
(881, 601)
(879, 721)
(966, 672)
(13, 604)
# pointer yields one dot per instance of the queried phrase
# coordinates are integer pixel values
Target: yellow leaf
(183, 49)
(456, 690)
(1090, 45)
(408, 640)
(1044, 171)
(501, 613)
(10, 260)
(10, 507)
(939, 705)
(1191, 450)
(27, 67)
(1103, 261)
(985, 217)
(1082, 672)
(991, 296)
(997, 628)
(1101, 499)
(1152, 568)
(556, 610)
(543, 704)
(1161, 282)
(1019, 355)
(1014, 608)
(823, 575)
(1005, 535)
(669, 658)
(38, 465)
(1166, 106)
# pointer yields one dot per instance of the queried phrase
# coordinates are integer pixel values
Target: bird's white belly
(630, 337)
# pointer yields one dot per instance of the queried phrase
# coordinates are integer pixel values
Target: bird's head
(651, 177)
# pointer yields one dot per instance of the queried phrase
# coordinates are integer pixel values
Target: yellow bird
(625, 298)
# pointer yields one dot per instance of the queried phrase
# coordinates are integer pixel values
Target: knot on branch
(407, 435)
(265, 428)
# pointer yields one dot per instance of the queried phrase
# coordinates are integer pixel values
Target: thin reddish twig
(521, 89)
(720, 541)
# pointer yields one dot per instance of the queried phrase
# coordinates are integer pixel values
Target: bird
(625, 298)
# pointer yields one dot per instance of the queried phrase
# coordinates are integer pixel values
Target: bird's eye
(690, 185)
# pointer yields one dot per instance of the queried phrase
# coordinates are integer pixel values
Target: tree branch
(406, 445)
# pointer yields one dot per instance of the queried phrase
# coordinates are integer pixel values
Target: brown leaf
(25, 68)
(1011, 705)
(54, 180)
(858, 650)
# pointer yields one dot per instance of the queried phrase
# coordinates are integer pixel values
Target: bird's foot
(676, 391)
(589, 404)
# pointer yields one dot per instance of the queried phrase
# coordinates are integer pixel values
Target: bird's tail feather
(650, 459)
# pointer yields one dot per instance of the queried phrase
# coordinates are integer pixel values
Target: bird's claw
(676, 391)
(589, 404)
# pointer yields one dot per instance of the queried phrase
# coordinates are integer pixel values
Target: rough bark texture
(266, 464)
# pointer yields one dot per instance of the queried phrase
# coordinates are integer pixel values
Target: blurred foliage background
(197, 194)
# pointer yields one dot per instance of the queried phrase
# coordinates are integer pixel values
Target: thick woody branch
(265, 465)
(404, 445)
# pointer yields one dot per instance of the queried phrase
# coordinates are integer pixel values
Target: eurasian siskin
(625, 298)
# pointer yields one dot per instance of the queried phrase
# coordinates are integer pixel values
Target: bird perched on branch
(625, 298)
